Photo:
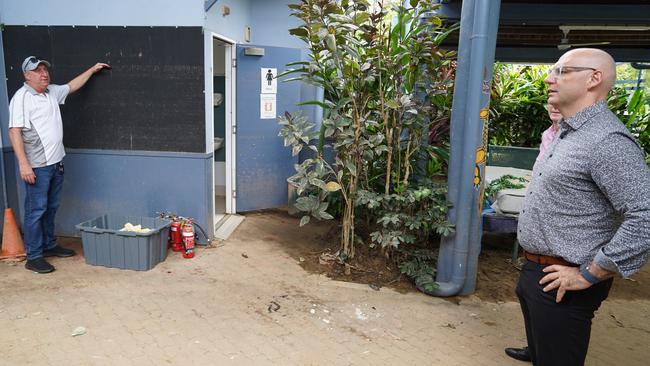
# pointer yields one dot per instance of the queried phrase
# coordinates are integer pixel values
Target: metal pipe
(476, 226)
(472, 138)
(445, 255)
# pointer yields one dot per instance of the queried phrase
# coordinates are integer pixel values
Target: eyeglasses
(559, 71)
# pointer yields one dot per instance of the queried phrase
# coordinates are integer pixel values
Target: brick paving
(221, 308)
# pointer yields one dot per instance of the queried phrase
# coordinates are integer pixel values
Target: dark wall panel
(152, 99)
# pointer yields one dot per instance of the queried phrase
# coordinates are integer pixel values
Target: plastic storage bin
(105, 245)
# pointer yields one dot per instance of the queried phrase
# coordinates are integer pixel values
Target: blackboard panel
(152, 99)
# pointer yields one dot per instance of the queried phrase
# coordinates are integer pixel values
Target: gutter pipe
(476, 225)
(471, 94)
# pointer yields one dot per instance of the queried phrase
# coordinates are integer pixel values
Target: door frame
(229, 103)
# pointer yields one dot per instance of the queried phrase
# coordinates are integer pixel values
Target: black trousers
(558, 334)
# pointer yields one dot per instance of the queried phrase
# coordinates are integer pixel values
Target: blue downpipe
(446, 253)
(461, 183)
(476, 226)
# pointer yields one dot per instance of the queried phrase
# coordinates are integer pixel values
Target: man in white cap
(36, 134)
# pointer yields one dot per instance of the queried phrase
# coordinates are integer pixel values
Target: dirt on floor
(314, 245)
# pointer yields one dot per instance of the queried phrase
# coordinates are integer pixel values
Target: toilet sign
(268, 92)
(269, 80)
(267, 106)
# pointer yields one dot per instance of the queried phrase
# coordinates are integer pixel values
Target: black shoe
(521, 354)
(39, 265)
(59, 251)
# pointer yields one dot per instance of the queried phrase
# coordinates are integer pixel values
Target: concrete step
(226, 225)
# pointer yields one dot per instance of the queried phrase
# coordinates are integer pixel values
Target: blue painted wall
(232, 25)
(272, 21)
(102, 12)
(120, 182)
(116, 182)
(263, 162)
(4, 117)
(140, 183)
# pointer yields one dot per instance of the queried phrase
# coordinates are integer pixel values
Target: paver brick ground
(221, 308)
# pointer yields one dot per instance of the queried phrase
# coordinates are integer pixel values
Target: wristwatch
(584, 271)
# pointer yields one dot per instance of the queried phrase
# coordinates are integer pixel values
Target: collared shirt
(548, 136)
(39, 117)
(590, 196)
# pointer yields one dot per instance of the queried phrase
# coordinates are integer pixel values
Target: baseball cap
(32, 62)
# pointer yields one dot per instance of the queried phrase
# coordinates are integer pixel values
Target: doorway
(223, 101)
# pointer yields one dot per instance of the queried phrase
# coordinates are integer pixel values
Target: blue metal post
(447, 244)
(476, 226)
(467, 161)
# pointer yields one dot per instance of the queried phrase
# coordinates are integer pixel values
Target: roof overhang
(540, 31)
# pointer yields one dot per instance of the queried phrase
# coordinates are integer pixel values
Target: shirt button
(550, 156)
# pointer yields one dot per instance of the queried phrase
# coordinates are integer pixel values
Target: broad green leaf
(318, 183)
(296, 149)
(330, 40)
(300, 32)
(351, 168)
(326, 216)
(332, 186)
(393, 104)
(305, 220)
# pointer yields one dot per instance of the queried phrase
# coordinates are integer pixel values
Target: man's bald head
(599, 60)
(580, 78)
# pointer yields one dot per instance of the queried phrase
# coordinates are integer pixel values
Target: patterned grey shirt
(590, 196)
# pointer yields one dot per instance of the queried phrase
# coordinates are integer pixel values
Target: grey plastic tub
(105, 245)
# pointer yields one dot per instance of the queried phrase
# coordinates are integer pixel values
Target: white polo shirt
(39, 116)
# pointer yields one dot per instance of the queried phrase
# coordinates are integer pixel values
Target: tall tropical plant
(380, 68)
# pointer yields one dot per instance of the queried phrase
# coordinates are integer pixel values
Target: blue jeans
(41, 202)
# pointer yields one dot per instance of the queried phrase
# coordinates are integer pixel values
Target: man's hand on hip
(27, 174)
(563, 278)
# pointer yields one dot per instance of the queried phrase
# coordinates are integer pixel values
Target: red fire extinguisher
(175, 239)
(188, 239)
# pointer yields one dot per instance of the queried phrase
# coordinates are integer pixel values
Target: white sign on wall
(267, 106)
(269, 80)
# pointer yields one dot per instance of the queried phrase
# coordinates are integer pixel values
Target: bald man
(586, 215)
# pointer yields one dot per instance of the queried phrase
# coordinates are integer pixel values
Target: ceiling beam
(555, 14)
(552, 54)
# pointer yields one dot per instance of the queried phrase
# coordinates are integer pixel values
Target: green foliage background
(517, 105)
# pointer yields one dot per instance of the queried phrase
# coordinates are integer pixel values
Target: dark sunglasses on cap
(32, 62)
